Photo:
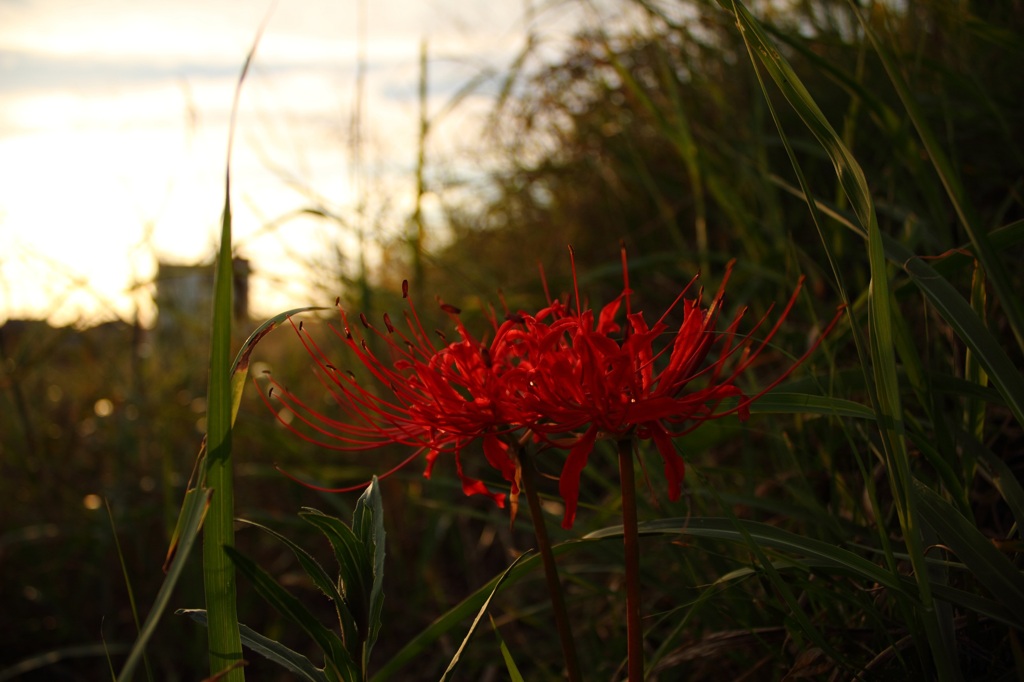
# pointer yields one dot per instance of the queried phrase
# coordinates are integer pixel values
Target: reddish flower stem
(631, 543)
(529, 481)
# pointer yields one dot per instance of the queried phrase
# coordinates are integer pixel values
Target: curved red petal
(675, 467)
(569, 481)
(472, 486)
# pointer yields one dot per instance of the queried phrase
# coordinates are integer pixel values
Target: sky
(114, 127)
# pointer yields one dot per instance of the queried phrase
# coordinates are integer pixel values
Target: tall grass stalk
(219, 577)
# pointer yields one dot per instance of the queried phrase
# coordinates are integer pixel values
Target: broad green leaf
(292, 661)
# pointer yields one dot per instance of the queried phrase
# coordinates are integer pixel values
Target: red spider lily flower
(597, 378)
(436, 399)
(559, 375)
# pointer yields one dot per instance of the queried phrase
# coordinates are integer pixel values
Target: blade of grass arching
(128, 585)
(450, 619)
(239, 372)
(225, 640)
(952, 306)
(993, 570)
(886, 393)
(480, 614)
(780, 402)
(765, 535)
(998, 472)
(510, 665)
(240, 367)
(272, 650)
(197, 502)
(993, 265)
(956, 311)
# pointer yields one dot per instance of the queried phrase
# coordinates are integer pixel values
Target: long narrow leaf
(993, 570)
(422, 642)
(954, 308)
(218, 572)
(368, 524)
(355, 576)
(272, 650)
(326, 585)
(996, 271)
(766, 536)
(338, 660)
(480, 615)
(193, 511)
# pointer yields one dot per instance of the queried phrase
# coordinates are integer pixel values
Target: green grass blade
(450, 619)
(193, 512)
(218, 571)
(510, 665)
(954, 308)
(240, 367)
(480, 615)
(957, 311)
(994, 571)
(781, 402)
(765, 536)
(272, 650)
(990, 261)
(128, 586)
(886, 393)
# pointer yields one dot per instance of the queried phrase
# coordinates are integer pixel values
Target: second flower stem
(529, 481)
(631, 545)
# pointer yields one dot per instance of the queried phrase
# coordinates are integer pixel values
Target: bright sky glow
(113, 134)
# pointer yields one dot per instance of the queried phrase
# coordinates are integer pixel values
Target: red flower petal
(569, 481)
(675, 467)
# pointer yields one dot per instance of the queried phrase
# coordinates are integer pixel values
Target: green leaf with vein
(326, 585)
(272, 650)
(338, 662)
